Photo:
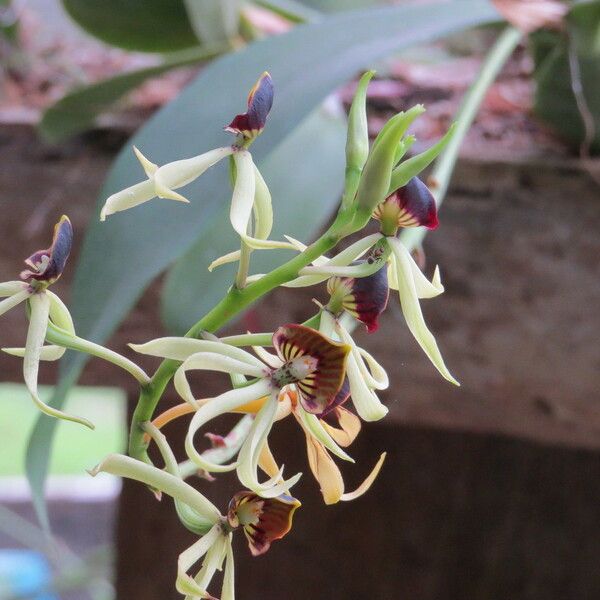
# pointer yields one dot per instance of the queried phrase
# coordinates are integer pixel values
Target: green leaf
(555, 102)
(299, 211)
(143, 25)
(121, 257)
(214, 21)
(77, 111)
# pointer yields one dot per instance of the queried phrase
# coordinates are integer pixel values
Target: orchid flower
(313, 364)
(410, 206)
(44, 307)
(262, 520)
(251, 206)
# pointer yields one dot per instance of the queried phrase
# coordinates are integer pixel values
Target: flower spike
(314, 363)
(47, 265)
(263, 520)
(260, 100)
(411, 206)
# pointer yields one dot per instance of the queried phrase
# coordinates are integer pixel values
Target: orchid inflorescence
(315, 372)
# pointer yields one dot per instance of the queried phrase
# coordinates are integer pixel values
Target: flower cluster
(313, 372)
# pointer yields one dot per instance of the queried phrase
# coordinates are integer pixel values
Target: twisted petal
(348, 428)
(411, 308)
(250, 453)
(320, 387)
(228, 589)
(211, 361)
(264, 519)
(47, 265)
(226, 402)
(260, 100)
(425, 288)
(178, 348)
(367, 404)
(343, 259)
(38, 323)
(212, 543)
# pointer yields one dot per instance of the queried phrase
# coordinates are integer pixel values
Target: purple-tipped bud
(260, 100)
(411, 206)
(47, 265)
(314, 363)
(264, 519)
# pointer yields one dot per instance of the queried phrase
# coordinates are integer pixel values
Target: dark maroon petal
(48, 265)
(318, 389)
(264, 519)
(365, 298)
(339, 400)
(411, 206)
(260, 101)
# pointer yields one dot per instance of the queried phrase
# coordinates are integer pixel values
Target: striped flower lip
(365, 298)
(263, 520)
(411, 206)
(47, 265)
(260, 100)
(314, 363)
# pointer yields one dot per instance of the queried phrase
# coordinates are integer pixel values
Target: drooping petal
(128, 198)
(320, 386)
(264, 519)
(47, 265)
(367, 404)
(411, 206)
(248, 459)
(224, 403)
(184, 583)
(211, 361)
(411, 308)
(325, 471)
(365, 298)
(211, 564)
(228, 589)
(367, 483)
(313, 426)
(226, 259)
(179, 348)
(349, 426)
(242, 198)
(260, 100)
(36, 334)
(14, 300)
(425, 288)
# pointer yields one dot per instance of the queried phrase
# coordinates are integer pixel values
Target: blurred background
(490, 491)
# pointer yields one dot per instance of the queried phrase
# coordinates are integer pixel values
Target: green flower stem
(249, 339)
(57, 336)
(232, 304)
(444, 166)
(244, 265)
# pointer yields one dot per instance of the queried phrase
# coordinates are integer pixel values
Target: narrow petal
(266, 461)
(226, 402)
(47, 353)
(10, 288)
(184, 583)
(263, 207)
(36, 334)
(250, 452)
(179, 348)
(149, 167)
(270, 359)
(367, 404)
(128, 198)
(312, 426)
(367, 483)
(325, 471)
(59, 314)
(179, 173)
(226, 259)
(14, 300)
(349, 426)
(228, 589)
(412, 309)
(242, 198)
(211, 564)
(210, 361)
